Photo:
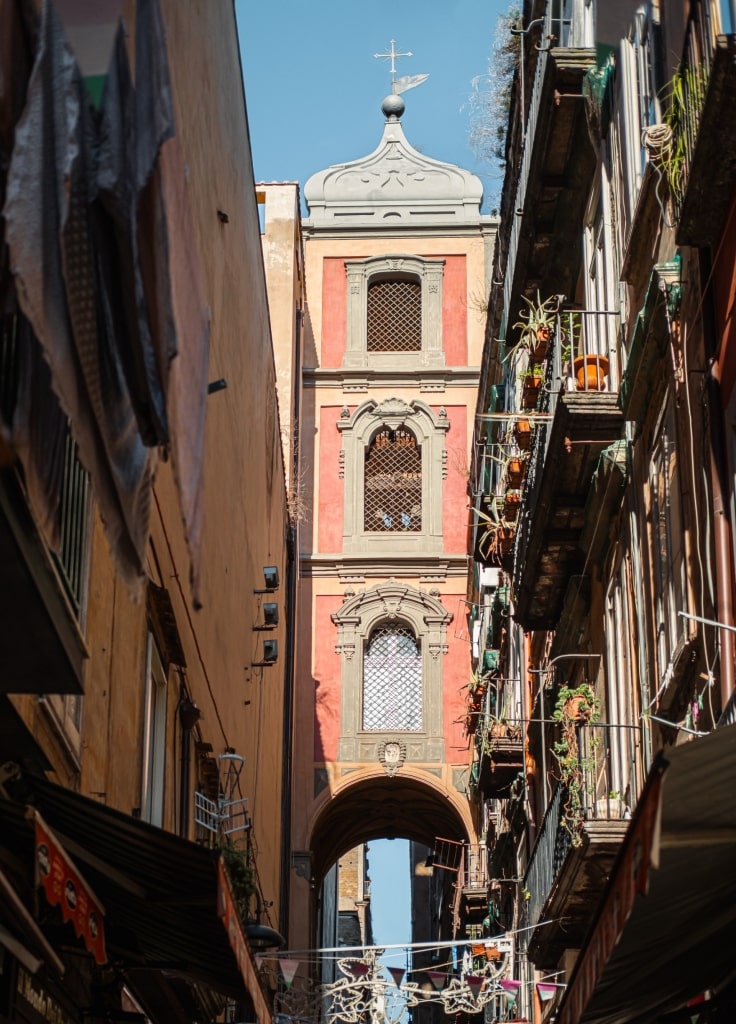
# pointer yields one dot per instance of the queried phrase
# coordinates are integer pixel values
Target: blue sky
(314, 90)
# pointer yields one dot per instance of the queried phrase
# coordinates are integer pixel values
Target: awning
(664, 934)
(160, 892)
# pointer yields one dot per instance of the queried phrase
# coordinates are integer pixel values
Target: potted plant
(577, 703)
(590, 372)
(515, 471)
(537, 325)
(496, 539)
(511, 503)
(531, 384)
(611, 807)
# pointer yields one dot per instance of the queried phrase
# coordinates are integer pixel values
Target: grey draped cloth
(55, 248)
(135, 123)
(102, 251)
(32, 426)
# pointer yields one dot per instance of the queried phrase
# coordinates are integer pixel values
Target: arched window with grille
(394, 322)
(393, 482)
(394, 312)
(392, 680)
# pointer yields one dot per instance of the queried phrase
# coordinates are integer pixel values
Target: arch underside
(382, 808)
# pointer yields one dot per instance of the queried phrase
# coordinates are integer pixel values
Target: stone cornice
(356, 570)
(360, 380)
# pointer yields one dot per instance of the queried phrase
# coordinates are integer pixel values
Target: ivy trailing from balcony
(575, 704)
(238, 865)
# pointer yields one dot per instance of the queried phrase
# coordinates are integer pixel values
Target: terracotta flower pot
(590, 372)
(511, 503)
(530, 391)
(577, 708)
(515, 472)
(523, 434)
(540, 344)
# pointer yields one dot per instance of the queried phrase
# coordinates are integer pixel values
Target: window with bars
(394, 316)
(392, 680)
(393, 483)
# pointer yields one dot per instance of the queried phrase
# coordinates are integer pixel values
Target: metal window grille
(74, 524)
(75, 493)
(393, 483)
(394, 316)
(392, 681)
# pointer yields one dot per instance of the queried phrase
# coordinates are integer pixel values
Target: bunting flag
(288, 970)
(438, 979)
(510, 986)
(475, 984)
(258, 961)
(397, 973)
(547, 990)
(358, 969)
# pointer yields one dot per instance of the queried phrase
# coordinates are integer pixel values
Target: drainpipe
(721, 534)
(290, 665)
(639, 600)
(719, 477)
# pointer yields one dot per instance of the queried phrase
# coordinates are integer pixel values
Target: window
(392, 680)
(623, 701)
(394, 312)
(391, 639)
(393, 482)
(394, 316)
(668, 554)
(154, 736)
(393, 462)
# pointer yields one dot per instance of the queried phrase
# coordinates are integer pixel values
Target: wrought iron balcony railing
(603, 788)
(689, 86)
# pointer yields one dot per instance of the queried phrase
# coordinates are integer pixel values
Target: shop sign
(640, 851)
(40, 1002)
(228, 914)
(64, 887)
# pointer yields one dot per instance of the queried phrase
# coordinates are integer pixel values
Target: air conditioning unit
(490, 577)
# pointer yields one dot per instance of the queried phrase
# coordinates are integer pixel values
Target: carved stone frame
(359, 275)
(358, 431)
(359, 615)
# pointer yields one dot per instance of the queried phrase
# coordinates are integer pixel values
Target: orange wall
(326, 679)
(331, 488)
(455, 498)
(455, 672)
(455, 311)
(334, 312)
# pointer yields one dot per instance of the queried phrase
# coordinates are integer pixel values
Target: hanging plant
(574, 705)
(239, 869)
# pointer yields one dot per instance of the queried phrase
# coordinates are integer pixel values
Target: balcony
(41, 644)
(472, 884)
(500, 750)
(578, 842)
(556, 169)
(499, 742)
(582, 401)
(708, 78)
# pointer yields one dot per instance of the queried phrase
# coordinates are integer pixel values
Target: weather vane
(399, 85)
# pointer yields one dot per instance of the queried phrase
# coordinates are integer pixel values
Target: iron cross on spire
(392, 55)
